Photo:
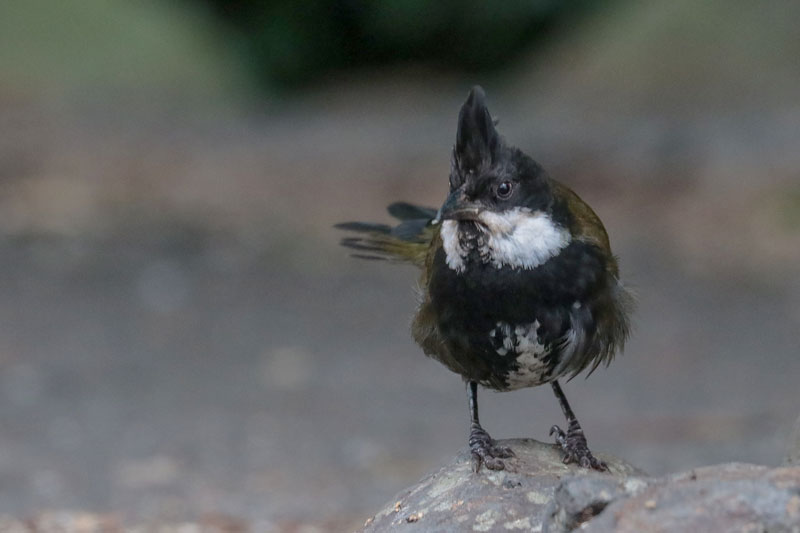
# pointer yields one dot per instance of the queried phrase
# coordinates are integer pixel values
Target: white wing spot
(504, 331)
(529, 350)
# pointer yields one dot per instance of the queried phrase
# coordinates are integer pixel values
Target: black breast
(469, 304)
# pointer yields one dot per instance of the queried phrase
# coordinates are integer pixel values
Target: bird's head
(500, 191)
(486, 174)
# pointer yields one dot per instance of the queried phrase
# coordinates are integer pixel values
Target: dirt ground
(180, 352)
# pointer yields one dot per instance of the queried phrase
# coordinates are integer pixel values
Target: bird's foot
(575, 448)
(485, 450)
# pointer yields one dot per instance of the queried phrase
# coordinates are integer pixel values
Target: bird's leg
(573, 441)
(483, 447)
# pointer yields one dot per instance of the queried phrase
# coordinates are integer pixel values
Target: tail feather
(407, 242)
(364, 227)
(406, 211)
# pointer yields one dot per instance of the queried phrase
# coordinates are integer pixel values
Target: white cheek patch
(519, 238)
(454, 253)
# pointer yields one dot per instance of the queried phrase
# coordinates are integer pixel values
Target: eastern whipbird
(518, 287)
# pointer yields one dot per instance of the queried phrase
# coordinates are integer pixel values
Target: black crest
(477, 141)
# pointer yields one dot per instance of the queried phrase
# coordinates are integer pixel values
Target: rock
(515, 499)
(714, 499)
(537, 492)
(579, 499)
(728, 497)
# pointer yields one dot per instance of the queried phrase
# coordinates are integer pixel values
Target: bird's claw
(576, 450)
(485, 451)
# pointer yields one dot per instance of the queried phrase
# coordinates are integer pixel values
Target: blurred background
(181, 336)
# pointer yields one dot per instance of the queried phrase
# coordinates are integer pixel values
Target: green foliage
(75, 47)
(292, 43)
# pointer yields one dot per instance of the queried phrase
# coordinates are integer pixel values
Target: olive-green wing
(408, 241)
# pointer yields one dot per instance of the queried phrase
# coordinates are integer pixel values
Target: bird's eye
(504, 190)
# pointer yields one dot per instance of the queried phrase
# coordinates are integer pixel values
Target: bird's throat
(516, 238)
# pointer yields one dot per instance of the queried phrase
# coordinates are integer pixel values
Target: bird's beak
(457, 207)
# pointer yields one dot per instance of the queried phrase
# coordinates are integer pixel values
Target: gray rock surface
(537, 492)
(516, 499)
(724, 498)
(579, 499)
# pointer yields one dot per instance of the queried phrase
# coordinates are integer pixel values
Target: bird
(518, 284)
